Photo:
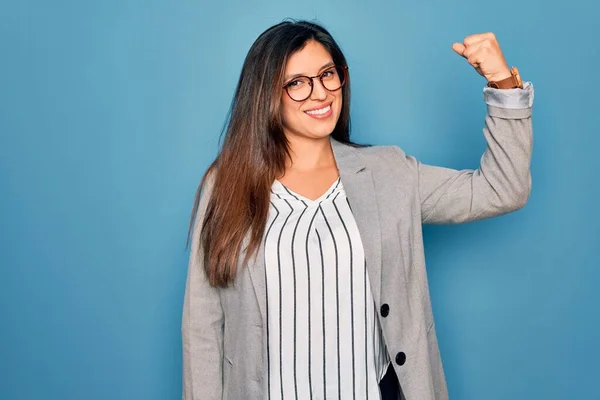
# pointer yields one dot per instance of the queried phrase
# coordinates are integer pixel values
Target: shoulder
(388, 164)
(385, 156)
(378, 150)
(393, 173)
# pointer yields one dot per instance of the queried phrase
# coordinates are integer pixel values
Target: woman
(307, 276)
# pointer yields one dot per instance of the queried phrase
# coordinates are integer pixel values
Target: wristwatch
(513, 81)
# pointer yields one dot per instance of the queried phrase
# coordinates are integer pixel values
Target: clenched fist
(483, 52)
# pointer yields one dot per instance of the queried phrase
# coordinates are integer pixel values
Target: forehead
(309, 60)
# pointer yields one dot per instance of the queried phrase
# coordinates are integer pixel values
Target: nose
(319, 92)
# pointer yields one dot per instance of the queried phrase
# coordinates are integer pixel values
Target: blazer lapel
(360, 191)
(358, 184)
(258, 276)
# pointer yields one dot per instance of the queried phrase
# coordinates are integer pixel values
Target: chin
(321, 133)
(324, 129)
(314, 131)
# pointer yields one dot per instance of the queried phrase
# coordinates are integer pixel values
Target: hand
(483, 52)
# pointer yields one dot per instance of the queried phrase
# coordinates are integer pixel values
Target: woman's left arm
(502, 183)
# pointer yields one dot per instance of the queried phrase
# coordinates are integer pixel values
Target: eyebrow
(329, 64)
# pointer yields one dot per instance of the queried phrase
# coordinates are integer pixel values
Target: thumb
(459, 48)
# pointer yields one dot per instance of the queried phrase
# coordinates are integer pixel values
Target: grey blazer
(392, 195)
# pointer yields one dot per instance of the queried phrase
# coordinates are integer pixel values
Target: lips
(319, 111)
(322, 111)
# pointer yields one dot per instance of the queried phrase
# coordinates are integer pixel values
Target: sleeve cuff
(510, 98)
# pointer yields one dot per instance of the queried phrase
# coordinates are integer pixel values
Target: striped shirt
(324, 339)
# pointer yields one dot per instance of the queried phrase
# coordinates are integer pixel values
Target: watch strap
(513, 81)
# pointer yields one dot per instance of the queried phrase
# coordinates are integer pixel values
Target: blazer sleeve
(202, 325)
(502, 183)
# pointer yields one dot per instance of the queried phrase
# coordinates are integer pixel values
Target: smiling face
(316, 116)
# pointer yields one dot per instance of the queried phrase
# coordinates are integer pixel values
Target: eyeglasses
(301, 87)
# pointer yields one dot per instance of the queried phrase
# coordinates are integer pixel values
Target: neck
(309, 154)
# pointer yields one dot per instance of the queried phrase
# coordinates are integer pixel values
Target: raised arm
(502, 183)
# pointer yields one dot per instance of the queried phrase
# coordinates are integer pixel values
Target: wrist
(510, 81)
(500, 76)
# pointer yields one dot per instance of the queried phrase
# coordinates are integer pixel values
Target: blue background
(111, 110)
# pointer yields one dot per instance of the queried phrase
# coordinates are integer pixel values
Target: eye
(296, 84)
(330, 73)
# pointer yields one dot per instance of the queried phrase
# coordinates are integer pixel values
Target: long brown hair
(254, 150)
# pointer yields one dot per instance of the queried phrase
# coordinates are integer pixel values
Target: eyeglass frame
(311, 80)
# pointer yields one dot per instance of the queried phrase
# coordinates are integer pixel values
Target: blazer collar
(347, 157)
(360, 191)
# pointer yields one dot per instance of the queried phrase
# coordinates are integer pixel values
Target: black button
(385, 310)
(400, 358)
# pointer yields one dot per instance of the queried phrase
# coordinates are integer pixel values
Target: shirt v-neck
(283, 192)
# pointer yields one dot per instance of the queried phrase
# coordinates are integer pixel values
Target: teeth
(319, 112)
